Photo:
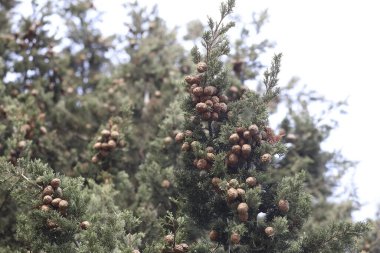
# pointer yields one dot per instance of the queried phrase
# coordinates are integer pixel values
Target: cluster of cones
(105, 144)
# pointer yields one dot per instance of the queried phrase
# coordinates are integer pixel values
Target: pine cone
(201, 67)
(251, 181)
(235, 238)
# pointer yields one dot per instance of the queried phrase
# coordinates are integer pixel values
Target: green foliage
(39, 229)
(337, 237)
(104, 116)
(271, 80)
(119, 234)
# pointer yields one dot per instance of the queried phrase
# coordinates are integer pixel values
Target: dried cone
(21, 145)
(55, 202)
(114, 135)
(192, 87)
(105, 146)
(234, 138)
(169, 239)
(223, 107)
(253, 129)
(105, 133)
(95, 159)
(223, 98)
(210, 150)
(165, 184)
(202, 164)
(168, 140)
(112, 144)
(209, 103)
(45, 208)
(157, 94)
(269, 231)
(201, 107)
(201, 67)
(283, 205)
(43, 130)
(247, 135)
(188, 133)
(232, 194)
(178, 248)
(63, 205)
(198, 91)
(217, 108)
(48, 190)
(214, 116)
(84, 225)
(206, 115)
(242, 208)
(233, 160)
(215, 181)
(210, 157)
(185, 146)
(215, 99)
(210, 90)
(235, 238)
(236, 149)
(47, 199)
(241, 192)
(251, 181)
(234, 89)
(246, 150)
(180, 137)
(266, 158)
(97, 145)
(55, 182)
(240, 130)
(189, 79)
(213, 235)
(185, 247)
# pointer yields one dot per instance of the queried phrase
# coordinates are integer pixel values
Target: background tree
(93, 159)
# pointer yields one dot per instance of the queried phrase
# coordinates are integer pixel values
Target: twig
(210, 129)
(28, 180)
(76, 243)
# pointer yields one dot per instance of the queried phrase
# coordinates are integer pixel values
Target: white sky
(333, 46)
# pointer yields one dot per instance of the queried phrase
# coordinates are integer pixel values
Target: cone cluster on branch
(209, 103)
(53, 199)
(105, 144)
(172, 247)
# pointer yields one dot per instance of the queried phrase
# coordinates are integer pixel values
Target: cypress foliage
(104, 156)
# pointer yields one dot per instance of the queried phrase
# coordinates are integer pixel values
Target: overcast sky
(332, 46)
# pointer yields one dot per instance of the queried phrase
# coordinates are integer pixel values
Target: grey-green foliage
(207, 193)
(112, 229)
(157, 185)
(336, 237)
(27, 180)
(124, 208)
